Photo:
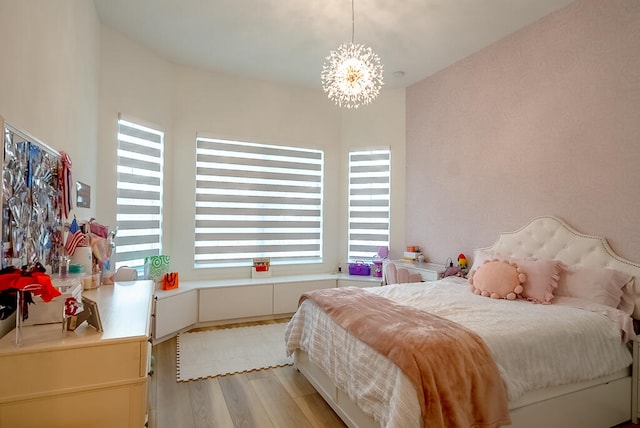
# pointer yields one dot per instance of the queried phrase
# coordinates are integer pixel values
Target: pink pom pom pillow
(498, 279)
(542, 275)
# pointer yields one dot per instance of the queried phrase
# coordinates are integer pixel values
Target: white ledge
(186, 286)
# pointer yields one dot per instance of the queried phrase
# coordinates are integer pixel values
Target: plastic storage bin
(359, 269)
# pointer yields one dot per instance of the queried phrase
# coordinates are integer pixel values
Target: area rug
(213, 353)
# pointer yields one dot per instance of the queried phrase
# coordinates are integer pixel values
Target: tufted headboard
(548, 237)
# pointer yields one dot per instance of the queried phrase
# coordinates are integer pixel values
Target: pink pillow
(542, 279)
(628, 300)
(542, 275)
(498, 279)
(604, 286)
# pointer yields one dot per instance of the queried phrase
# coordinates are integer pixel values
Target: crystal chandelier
(352, 75)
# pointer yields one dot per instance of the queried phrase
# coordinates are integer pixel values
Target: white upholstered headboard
(548, 237)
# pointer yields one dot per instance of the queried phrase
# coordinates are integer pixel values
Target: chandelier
(352, 75)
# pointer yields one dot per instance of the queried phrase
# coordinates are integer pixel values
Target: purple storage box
(359, 269)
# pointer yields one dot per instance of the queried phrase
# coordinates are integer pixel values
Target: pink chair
(403, 275)
(390, 274)
(406, 276)
(400, 275)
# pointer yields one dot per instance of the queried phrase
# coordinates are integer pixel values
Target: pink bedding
(451, 368)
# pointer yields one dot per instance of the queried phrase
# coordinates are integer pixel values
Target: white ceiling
(288, 40)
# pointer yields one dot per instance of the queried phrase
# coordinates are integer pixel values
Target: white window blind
(369, 202)
(139, 193)
(257, 200)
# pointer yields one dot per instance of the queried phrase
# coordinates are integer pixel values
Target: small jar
(76, 269)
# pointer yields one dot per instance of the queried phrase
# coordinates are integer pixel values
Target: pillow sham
(542, 275)
(599, 285)
(479, 256)
(542, 279)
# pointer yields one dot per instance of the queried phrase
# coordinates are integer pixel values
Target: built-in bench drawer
(287, 295)
(222, 303)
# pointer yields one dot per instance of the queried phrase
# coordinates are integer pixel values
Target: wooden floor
(279, 397)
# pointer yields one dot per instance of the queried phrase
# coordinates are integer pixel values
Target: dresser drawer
(38, 373)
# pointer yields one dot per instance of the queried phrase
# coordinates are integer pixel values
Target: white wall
(49, 80)
(64, 78)
(138, 83)
(49, 77)
(186, 101)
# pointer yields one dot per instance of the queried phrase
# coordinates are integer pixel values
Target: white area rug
(226, 351)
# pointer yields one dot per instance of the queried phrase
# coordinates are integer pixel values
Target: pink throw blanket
(457, 381)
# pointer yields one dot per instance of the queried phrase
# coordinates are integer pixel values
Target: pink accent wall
(545, 121)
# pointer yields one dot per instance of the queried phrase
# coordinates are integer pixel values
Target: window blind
(257, 200)
(369, 202)
(139, 193)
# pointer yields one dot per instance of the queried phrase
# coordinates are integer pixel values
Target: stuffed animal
(497, 279)
(462, 261)
(450, 269)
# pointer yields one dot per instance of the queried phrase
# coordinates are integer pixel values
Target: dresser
(82, 378)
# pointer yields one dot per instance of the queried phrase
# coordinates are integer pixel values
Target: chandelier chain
(353, 22)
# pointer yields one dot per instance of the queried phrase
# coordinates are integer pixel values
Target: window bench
(205, 303)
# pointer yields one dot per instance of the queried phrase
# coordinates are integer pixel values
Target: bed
(562, 364)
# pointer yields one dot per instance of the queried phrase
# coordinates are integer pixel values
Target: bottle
(64, 267)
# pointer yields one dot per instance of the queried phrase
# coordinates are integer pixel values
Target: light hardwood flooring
(279, 397)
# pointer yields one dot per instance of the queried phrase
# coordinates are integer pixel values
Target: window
(257, 200)
(369, 202)
(139, 194)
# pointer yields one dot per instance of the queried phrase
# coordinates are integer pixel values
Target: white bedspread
(535, 346)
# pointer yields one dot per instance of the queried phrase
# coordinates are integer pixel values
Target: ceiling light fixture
(352, 75)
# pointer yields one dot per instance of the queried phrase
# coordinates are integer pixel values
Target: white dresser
(82, 378)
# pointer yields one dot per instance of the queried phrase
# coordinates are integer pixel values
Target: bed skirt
(598, 403)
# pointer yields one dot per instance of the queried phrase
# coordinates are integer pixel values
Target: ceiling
(287, 41)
